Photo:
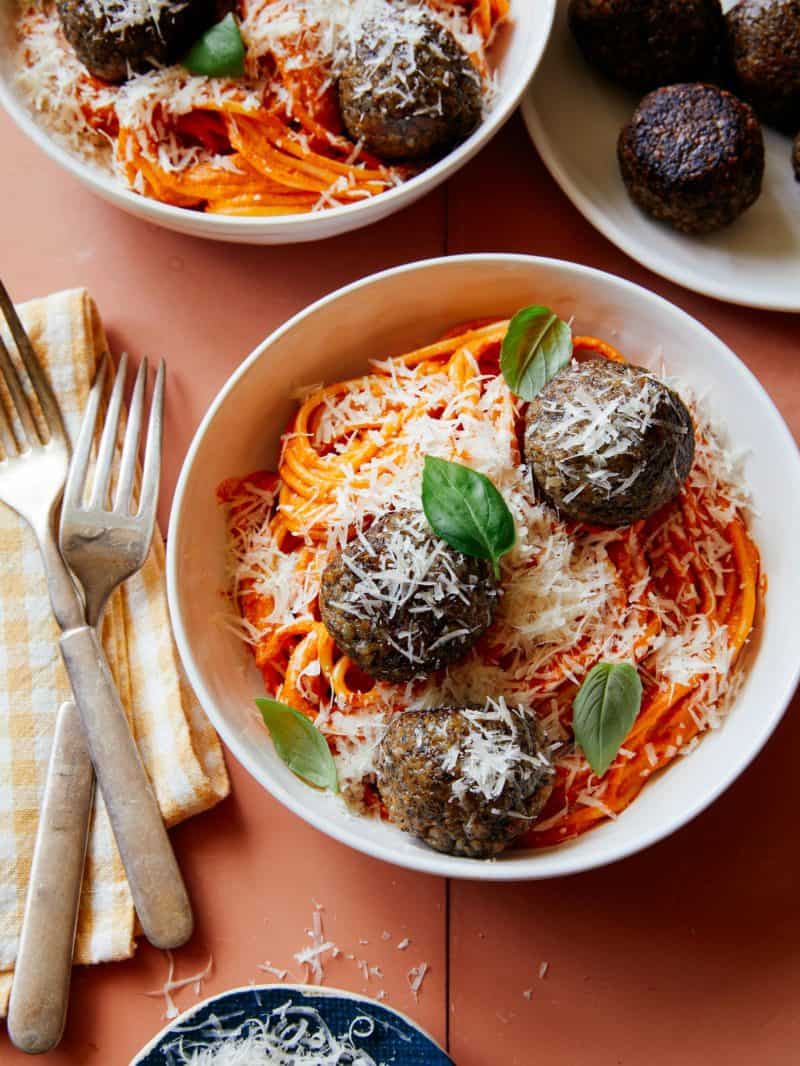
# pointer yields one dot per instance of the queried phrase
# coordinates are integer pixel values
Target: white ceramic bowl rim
(425, 860)
(168, 215)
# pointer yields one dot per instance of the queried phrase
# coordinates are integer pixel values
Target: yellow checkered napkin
(178, 746)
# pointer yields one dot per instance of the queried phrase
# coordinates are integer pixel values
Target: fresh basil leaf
(537, 345)
(465, 509)
(604, 711)
(219, 52)
(299, 743)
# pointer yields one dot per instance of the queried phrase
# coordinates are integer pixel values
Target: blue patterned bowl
(362, 1031)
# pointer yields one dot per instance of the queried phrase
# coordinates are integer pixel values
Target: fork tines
(26, 435)
(75, 490)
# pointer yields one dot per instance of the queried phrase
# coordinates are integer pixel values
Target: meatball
(764, 51)
(409, 93)
(467, 781)
(607, 443)
(646, 43)
(114, 37)
(401, 603)
(692, 156)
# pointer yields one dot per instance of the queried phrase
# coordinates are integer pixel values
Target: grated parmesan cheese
(491, 759)
(121, 15)
(172, 985)
(416, 975)
(311, 957)
(291, 1035)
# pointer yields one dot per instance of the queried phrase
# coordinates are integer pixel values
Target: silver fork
(104, 543)
(33, 470)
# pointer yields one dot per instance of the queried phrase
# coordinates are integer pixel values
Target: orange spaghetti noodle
(687, 575)
(270, 144)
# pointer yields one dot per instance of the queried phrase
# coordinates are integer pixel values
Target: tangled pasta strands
(657, 560)
(285, 154)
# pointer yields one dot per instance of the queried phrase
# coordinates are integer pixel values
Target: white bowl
(390, 313)
(519, 48)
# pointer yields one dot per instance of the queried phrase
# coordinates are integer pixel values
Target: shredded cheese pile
(491, 758)
(120, 15)
(291, 1035)
(596, 424)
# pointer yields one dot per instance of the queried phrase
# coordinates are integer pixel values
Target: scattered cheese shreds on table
(416, 975)
(313, 957)
(172, 984)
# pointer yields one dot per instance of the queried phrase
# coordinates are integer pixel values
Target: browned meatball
(467, 781)
(409, 93)
(646, 43)
(116, 37)
(692, 156)
(401, 603)
(607, 443)
(764, 46)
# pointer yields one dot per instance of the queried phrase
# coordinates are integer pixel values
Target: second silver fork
(104, 545)
(38, 1001)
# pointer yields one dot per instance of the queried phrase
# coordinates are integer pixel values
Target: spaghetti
(270, 144)
(675, 593)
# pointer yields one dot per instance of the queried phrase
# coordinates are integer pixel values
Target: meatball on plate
(493, 605)
(703, 191)
(266, 121)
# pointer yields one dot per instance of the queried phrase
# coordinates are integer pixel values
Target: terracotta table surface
(688, 953)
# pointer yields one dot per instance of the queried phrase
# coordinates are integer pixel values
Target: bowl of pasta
(488, 580)
(266, 121)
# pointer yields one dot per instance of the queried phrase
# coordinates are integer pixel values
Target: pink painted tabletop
(687, 953)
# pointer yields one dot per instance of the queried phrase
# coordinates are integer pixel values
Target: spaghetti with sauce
(270, 143)
(675, 593)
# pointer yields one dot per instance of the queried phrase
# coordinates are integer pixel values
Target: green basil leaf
(299, 743)
(604, 711)
(537, 345)
(219, 52)
(465, 509)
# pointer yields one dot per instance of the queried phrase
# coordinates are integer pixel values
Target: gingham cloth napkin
(179, 748)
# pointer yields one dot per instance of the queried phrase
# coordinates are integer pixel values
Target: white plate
(390, 313)
(519, 48)
(574, 117)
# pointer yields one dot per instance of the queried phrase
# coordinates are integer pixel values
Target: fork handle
(157, 887)
(40, 991)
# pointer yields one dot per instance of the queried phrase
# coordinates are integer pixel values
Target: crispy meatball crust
(443, 592)
(110, 54)
(642, 477)
(642, 44)
(692, 156)
(417, 772)
(412, 100)
(764, 52)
